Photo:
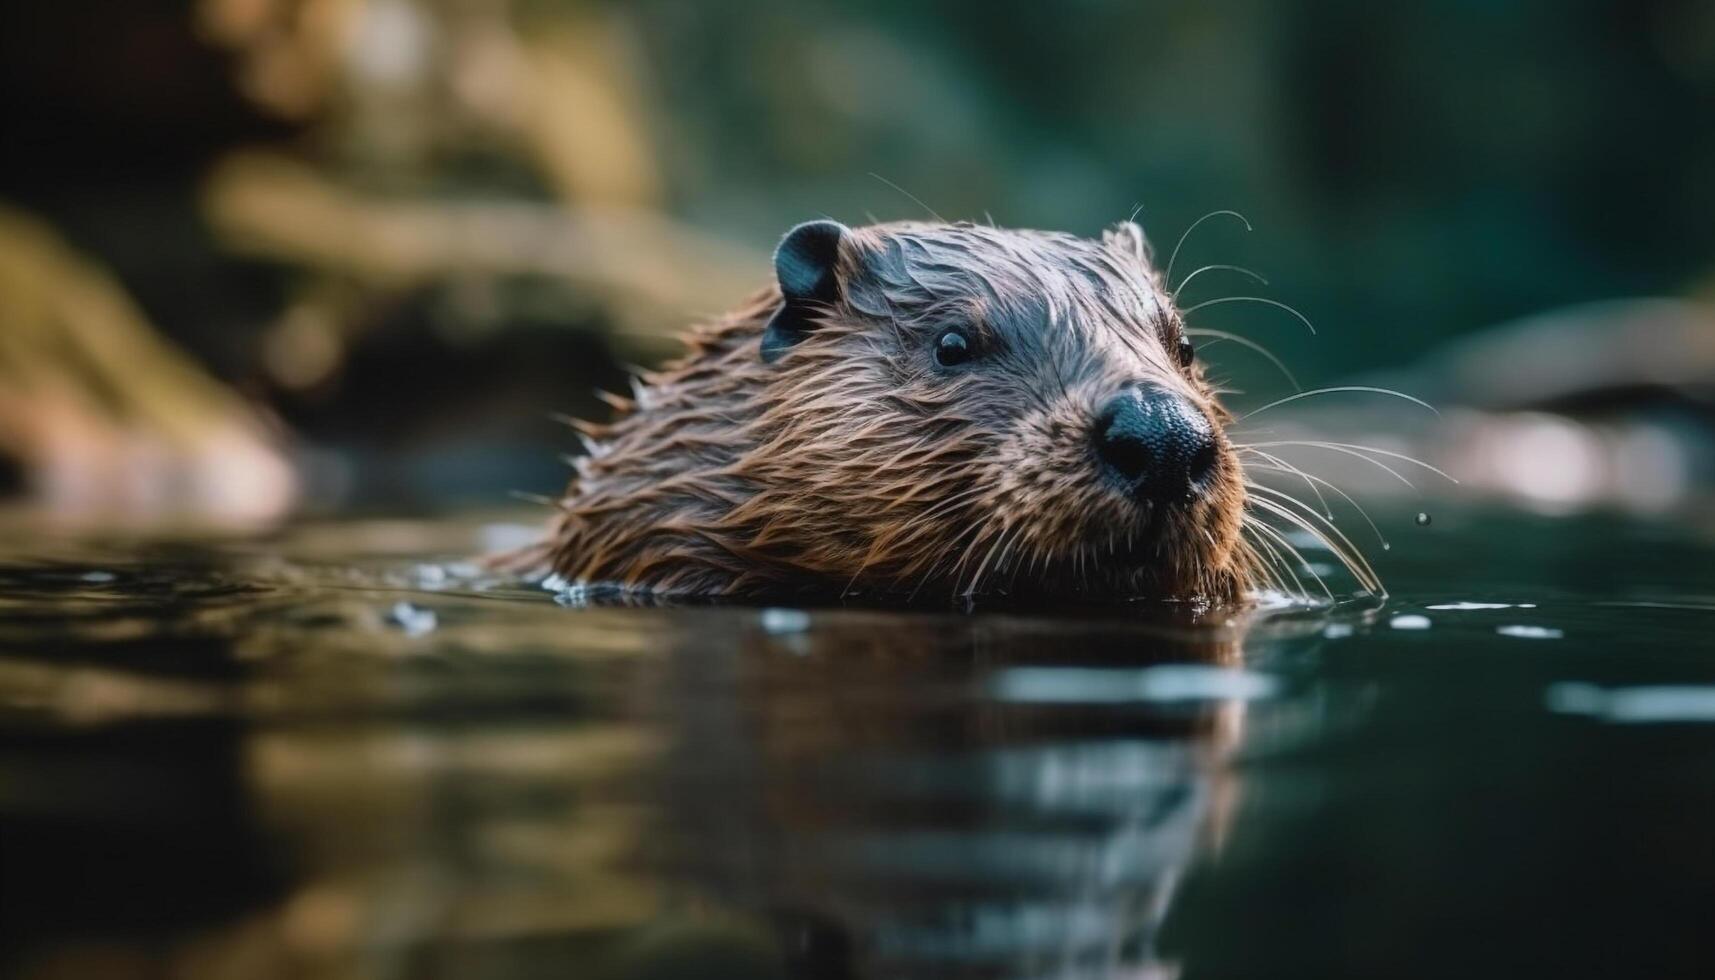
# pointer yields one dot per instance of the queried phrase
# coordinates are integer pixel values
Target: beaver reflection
(946, 797)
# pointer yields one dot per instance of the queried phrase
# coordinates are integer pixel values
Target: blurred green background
(258, 255)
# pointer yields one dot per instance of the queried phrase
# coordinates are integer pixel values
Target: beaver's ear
(1127, 238)
(806, 265)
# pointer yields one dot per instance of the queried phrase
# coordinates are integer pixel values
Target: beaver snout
(1157, 444)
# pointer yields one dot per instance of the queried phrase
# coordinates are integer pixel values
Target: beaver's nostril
(1202, 461)
(1157, 444)
(1120, 442)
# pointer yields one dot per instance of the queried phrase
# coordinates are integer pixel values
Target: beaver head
(921, 408)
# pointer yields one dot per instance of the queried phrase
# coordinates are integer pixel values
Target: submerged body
(919, 409)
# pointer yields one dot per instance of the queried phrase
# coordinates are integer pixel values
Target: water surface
(335, 752)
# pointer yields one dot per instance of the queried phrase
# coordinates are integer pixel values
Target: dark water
(326, 755)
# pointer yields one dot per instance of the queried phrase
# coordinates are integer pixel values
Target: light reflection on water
(345, 753)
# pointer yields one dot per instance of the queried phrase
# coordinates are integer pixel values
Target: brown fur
(853, 465)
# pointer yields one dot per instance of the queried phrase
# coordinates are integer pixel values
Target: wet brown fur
(854, 465)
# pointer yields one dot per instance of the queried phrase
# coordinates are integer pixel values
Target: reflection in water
(863, 783)
(328, 755)
(283, 772)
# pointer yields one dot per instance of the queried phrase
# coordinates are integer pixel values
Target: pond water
(335, 752)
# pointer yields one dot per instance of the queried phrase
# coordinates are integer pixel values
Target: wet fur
(854, 464)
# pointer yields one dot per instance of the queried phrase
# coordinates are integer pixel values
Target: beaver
(915, 408)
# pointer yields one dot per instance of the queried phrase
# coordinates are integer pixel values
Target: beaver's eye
(952, 348)
(1187, 353)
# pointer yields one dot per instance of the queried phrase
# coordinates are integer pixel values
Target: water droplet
(1422, 519)
(414, 620)
(1531, 632)
(1464, 606)
(781, 621)
(1386, 546)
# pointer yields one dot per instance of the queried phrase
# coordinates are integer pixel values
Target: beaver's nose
(1157, 444)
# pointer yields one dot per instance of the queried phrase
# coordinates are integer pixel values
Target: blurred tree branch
(108, 420)
(650, 272)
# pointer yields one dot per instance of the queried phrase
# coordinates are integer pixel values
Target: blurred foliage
(420, 225)
(1413, 170)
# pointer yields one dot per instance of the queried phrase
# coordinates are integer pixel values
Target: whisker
(1282, 466)
(1259, 562)
(1280, 538)
(977, 575)
(970, 550)
(1253, 559)
(1335, 389)
(976, 528)
(1332, 448)
(1349, 447)
(1251, 299)
(1395, 455)
(1216, 267)
(1280, 562)
(1263, 565)
(1343, 494)
(1028, 551)
(914, 198)
(1221, 335)
(1000, 565)
(1168, 276)
(1349, 554)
